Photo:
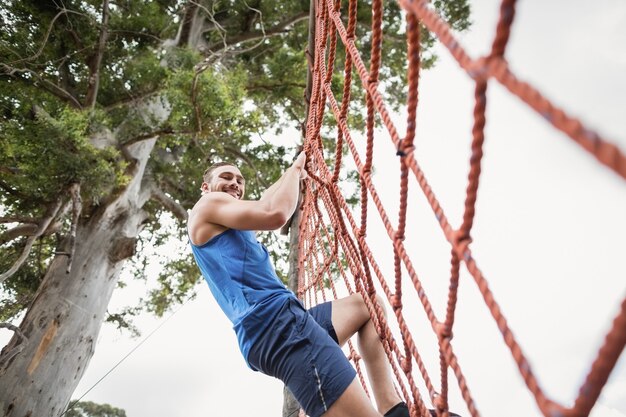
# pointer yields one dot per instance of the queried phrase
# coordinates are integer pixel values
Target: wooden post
(291, 407)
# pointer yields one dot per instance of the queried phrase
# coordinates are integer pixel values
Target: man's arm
(267, 194)
(269, 213)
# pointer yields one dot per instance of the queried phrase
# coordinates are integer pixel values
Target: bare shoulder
(201, 224)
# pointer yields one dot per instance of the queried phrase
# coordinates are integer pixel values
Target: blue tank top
(243, 281)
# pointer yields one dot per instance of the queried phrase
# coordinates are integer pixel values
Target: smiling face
(226, 179)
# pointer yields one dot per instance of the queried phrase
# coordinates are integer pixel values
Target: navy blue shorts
(301, 350)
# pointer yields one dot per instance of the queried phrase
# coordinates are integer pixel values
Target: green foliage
(123, 319)
(52, 151)
(91, 409)
(277, 84)
(176, 282)
(456, 13)
(215, 105)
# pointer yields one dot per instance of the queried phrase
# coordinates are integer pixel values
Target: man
(276, 335)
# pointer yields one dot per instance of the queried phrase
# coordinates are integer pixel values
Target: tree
(90, 409)
(109, 112)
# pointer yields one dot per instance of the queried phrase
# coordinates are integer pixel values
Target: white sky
(548, 236)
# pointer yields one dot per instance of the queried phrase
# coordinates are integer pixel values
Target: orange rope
(331, 236)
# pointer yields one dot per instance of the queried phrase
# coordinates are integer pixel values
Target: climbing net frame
(332, 242)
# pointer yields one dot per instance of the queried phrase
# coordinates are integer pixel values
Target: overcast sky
(548, 236)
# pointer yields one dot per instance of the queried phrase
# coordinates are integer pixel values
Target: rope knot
(440, 404)
(405, 364)
(443, 331)
(461, 240)
(478, 69)
(365, 169)
(402, 150)
(396, 302)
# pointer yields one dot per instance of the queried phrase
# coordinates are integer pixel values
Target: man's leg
(352, 403)
(349, 316)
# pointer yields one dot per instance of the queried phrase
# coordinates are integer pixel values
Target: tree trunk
(63, 322)
(291, 407)
(290, 404)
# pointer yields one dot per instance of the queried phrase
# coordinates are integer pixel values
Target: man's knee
(380, 300)
(359, 310)
(376, 303)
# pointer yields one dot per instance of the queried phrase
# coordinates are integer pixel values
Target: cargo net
(334, 255)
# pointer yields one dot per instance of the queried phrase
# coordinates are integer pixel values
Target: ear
(205, 188)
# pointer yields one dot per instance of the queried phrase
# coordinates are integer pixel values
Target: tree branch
(77, 205)
(47, 35)
(18, 231)
(273, 86)
(9, 170)
(251, 17)
(279, 29)
(19, 346)
(194, 98)
(66, 79)
(186, 24)
(132, 99)
(14, 329)
(94, 64)
(45, 84)
(215, 25)
(10, 190)
(43, 226)
(171, 186)
(149, 135)
(169, 203)
(135, 33)
(17, 219)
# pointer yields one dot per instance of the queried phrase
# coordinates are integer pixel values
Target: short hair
(206, 177)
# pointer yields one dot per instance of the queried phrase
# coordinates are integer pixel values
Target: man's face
(227, 179)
